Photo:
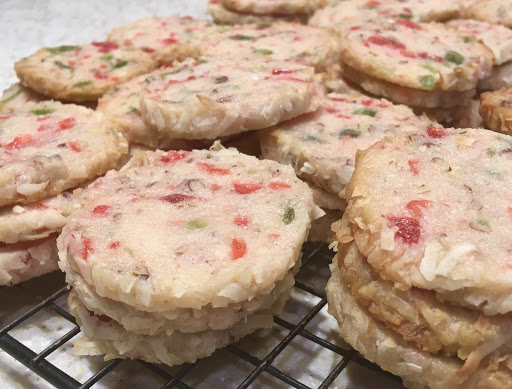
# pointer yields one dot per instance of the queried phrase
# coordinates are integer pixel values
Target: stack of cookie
(421, 281)
(47, 149)
(262, 11)
(322, 145)
(164, 268)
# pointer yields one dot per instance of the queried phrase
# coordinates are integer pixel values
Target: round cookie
(274, 7)
(166, 39)
(420, 213)
(420, 318)
(501, 77)
(17, 95)
(105, 336)
(121, 105)
(322, 145)
(207, 100)
(491, 11)
(344, 14)
(81, 73)
(496, 109)
(422, 56)
(48, 147)
(26, 260)
(306, 45)
(416, 367)
(496, 37)
(222, 15)
(175, 211)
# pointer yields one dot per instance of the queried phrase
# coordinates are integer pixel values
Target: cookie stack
(322, 145)
(421, 281)
(47, 149)
(164, 268)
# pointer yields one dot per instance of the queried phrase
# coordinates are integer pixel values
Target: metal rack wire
(38, 363)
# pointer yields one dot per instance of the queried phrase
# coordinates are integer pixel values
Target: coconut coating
(496, 109)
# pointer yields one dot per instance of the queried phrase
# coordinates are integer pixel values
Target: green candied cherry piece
(42, 111)
(196, 224)
(120, 64)
(81, 84)
(481, 225)
(132, 109)
(289, 215)
(365, 111)
(63, 65)
(491, 152)
(454, 57)
(108, 57)
(350, 132)
(61, 49)
(427, 82)
(13, 96)
(405, 16)
(263, 52)
(240, 37)
(312, 138)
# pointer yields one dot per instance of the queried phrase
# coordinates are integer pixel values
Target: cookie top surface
(306, 45)
(165, 38)
(48, 147)
(164, 234)
(17, 95)
(417, 55)
(222, 15)
(491, 11)
(206, 100)
(323, 144)
(82, 72)
(344, 14)
(274, 7)
(431, 210)
(498, 38)
(496, 109)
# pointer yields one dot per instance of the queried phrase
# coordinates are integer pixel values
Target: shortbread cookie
(501, 77)
(322, 145)
(459, 116)
(222, 15)
(274, 7)
(491, 11)
(104, 336)
(405, 95)
(420, 318)
(306, 45)
(496, 37)
(49, 147)
(344, 14)
(496, 109)
(156, 210)
(26, 260)
(207, 100)
(166, 39)
(404, 53)
(419, 208)
(17, 95)
(387, 349)
(82, 73)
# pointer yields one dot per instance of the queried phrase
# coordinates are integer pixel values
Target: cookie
(49, 147)
(166, 39)
(322, 145)
(222, 15)
(381, 345)
(274, 7)
(459, 116)
(501, 77)
(420, 56)
(420, 318)
(496, 109)
(344, 14)
(404, 95)
(419, 208)
(156, 209)
(491, 11)
(26, 260)
(81, 73)
(17, 95)
(207, 100)
(306, 45)
(104, 336)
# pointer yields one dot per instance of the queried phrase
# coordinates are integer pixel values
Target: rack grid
(307, 281)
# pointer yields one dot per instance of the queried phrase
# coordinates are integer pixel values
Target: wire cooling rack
(300, 351)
